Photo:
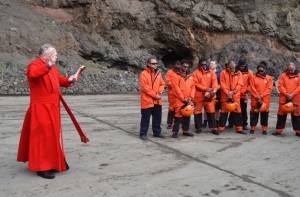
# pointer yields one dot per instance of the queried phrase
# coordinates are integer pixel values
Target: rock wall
(127, 32)
(93, 80)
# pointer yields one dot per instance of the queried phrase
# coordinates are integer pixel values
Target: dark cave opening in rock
(171, 56)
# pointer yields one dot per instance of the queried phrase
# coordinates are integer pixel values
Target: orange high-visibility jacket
(170, 74)
(151, 84)
(246, 83)
(289, 84)
(204, 79)
(261, 86)
(230, 82)
(183, 88)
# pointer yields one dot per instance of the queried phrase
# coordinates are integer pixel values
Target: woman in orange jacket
(260, 88)
(231, 82)
(206, 82)
(289, 88)
(169, 76)
(184, 91)
(152, 86)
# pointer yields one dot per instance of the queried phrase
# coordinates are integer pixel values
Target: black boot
(216, 132)
(276, 133)
(175, 135)
(188, 134)
(198, 131)
(46, 174)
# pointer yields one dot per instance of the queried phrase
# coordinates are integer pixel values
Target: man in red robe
(41, 141)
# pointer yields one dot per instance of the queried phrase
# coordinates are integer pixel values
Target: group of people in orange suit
(219, 94)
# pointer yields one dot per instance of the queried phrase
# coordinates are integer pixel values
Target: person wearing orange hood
(206, 85)
(231, 82)
(184, 91)
(289, 88)
(261, 86)
(171, 110)
(152, 86)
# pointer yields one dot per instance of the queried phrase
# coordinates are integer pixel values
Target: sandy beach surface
(117, 163)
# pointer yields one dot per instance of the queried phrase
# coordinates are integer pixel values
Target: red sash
(83, 138)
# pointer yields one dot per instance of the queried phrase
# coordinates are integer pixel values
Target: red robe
(41, 141)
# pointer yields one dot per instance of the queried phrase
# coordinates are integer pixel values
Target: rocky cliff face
(124, 33)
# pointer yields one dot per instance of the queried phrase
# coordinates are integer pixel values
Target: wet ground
(117, 163)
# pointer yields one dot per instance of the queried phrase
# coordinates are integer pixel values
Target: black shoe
(298, 134)
(246, 127)
(276, 133)
(67, 166)
(204, 125)
(46, 174)
(53, 171)
(188, 134)
(144, 137)
(216, 132)
(242, 132)
(160, 135)
(198, 131)
(229, 126)
(264, 133)
(169, 126)
(175, 135)
(252, 132)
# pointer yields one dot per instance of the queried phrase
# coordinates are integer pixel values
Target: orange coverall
(228, 82)
(289, 83)
(204, 79)
(260, 86)
(183, 88)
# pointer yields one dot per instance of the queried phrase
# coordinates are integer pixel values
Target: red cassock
(41, 142)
